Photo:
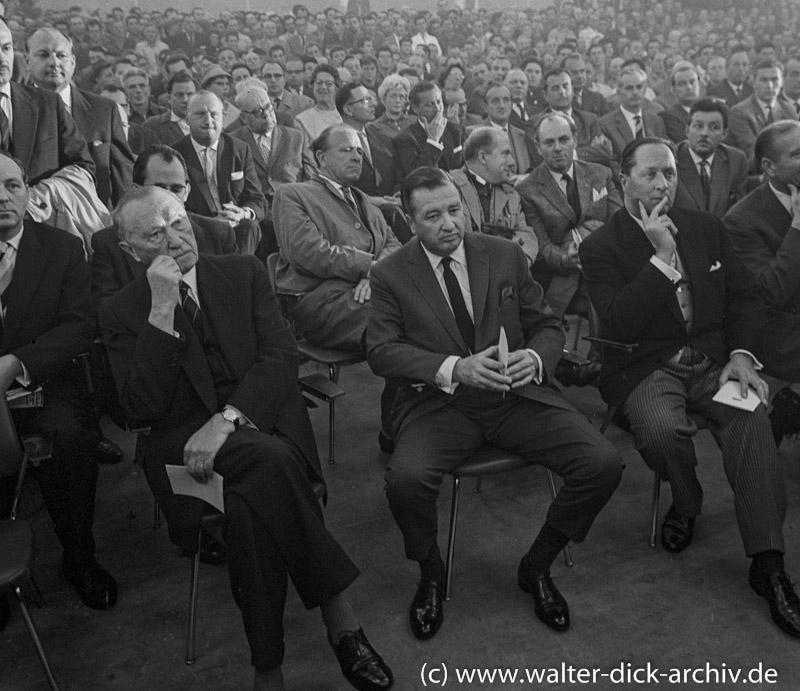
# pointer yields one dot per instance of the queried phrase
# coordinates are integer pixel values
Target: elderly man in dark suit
(765, 230)
(52, 65)
(565, 199)
(46, 321)
(583, 99)
(669, 280)
(711, 175)
(432, 140)
(224, 179)
(172, 125)
(438, 306)
(194, 344)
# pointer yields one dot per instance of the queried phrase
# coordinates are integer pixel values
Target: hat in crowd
(212, 73)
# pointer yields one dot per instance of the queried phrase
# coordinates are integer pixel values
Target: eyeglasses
(175, 189)
(262, 112)
(366, 100)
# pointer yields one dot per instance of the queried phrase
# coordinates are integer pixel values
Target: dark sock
(545, 548)
(432, 568)
(767, 563)
(338, 616)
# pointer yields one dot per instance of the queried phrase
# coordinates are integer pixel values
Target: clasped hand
(203, 446)
(484, 371)
(741, 368)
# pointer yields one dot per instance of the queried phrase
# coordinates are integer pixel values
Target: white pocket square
(97, 142)
(458, 149)
(237, 175)
(716, 267)
(597, 195)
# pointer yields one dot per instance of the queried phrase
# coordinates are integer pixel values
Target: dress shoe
(784, 604)
(785, 414)
(427, 610)
(385, 442)
(360, 663)
(212, 551)
(676, 532)
(5, 611)
(96, 586)
(107, 452)
(550, 606)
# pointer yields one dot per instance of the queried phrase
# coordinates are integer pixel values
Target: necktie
(5, 129)
(211, 176)
(639, 127)
(191, 308)
(362, 135)
(521, 112)
(349, 197)
(457, 304)
(705, 182)
(797, 108)
(263, 143)
(6, 274)
(769, 115)
(276, 102)
(572, 195)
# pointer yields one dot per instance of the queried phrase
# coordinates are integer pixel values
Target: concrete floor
(631, 605)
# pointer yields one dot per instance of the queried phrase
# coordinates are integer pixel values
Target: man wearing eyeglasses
(159, 166)
(284, 101)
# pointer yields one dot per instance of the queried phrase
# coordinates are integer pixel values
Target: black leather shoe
(784, 605)
(551, 608)
(96, 586)
(360, 663)
(5, 611)
(676, 532)
(427, 610)
(385, 442)
(107, 452)
(212, 551)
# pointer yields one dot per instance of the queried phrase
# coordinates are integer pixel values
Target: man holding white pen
(438, 305)
(669, 281)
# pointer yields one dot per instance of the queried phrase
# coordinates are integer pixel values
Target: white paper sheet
(731, 394)
(183, 483)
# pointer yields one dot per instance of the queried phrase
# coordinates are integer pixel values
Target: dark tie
(769, 115)
(191, 309)
(639, 129)
(349, 197)
(5, 130)
(705, 182)
(459, 307)
(572, 195)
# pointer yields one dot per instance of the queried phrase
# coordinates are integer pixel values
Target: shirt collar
(66, 97)
(337, 186)
(477, 177)
(175, 118)
(557, 175)
(199, 148)
(697, 158)
(190, 279)
(766, 105)
(14, 242)
(458, 255)
(6, 89)
(496, 126)
(783, 198)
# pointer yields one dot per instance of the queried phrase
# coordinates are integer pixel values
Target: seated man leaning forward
(201, 354)
(438, 305)
(668, 280)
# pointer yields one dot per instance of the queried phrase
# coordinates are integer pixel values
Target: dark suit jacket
(289, 158)
(49, 317)
(728, 180)
(411, 330)
(675, 120)
(614, 126)
(727, 94)
(413, 151)
(152, 111)
(637, 303)
(591, 102)
(44, 137)
(168, 132)
(747, 119)
(112, 268)
(292, 104)
(99, 122)
(379, 176)
(759, 229)
(141, 138)
(523, 147)
(236, 177)
(164, 382)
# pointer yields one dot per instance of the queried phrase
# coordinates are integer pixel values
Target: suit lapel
(720, 172)
(552, 192)
(421, 272)
(277, 136)
(198, 175)
(81, 112)
(195, 364)
(255, 149)
(690, 178)
(622, 126)
(473, 204)
(224, 169)
(28, 270)
(26, 117)
(585, 188)
(478, 270)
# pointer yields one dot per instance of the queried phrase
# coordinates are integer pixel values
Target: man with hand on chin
(668, 280)
(438, 305)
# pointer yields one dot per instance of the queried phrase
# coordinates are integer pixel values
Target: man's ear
(186, 191)
(125, 247)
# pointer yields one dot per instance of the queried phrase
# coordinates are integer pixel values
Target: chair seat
(16, 548)
(488, 461)
(328, 356)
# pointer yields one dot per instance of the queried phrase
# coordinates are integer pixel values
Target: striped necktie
(639, 127)
(5, 127)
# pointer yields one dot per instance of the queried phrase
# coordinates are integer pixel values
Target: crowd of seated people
(425, 178)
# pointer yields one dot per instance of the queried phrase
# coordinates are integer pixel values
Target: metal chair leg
(35, 637)
(193, 605)
(656, 501)
(333, 375)
(551, 481)
(577, 337)
(451, 541)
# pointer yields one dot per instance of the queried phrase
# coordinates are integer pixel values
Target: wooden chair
(486, 461)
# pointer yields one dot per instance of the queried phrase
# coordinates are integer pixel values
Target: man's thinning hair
(766, 142)
(628, 158)
(322, 143)
(122, 222)
(164, 152)
(554, 115)
(482, 139)
(425, 178)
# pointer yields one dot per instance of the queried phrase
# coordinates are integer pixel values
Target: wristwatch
(231, 415)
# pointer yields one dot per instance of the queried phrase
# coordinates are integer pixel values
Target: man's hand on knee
(483, 371)
(741, 368)
(202, 447)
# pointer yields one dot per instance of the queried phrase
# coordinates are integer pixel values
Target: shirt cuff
(244, 421)
(438, 145)
(672, 274)
(540, 370)
(444, 377)
(757, 366)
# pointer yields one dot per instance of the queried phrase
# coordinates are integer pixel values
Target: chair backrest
(272, 269)
(11, 453)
